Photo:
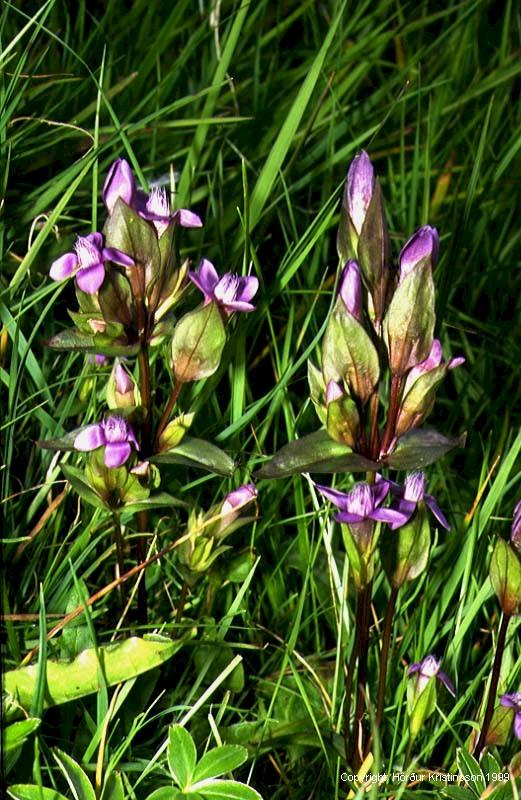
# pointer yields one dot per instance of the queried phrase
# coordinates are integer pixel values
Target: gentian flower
(513, 700)
(359, 188)
(97, 359)
(235, 502)
(412, 493)
(433, 361)
(350, 289)
(425, 243)
(87, 262)
(363, 503)
(426, 670)
(114, 434)
(515, 531)
(155, 207)
(333, 392)
(231, 292)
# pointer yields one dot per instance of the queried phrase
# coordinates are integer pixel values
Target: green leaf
(71, 339)
(471, 771)
(348, 354)
(29, 791)
(175, 432)
(197, 344)
(420, 448)
(220, 760)
(14, 737)
(113, 788)
(225, 790)
(316, 452)
(355, 558)
(422, 707)
(79, 784)
(419, 400)
(166, 793)
(78, 678)
(181, 754)
(409, 322)
(127, 231)
(194, 452)
(457, 793)
(158, 500)
(500, 728)
(78, 481)
(505, 576)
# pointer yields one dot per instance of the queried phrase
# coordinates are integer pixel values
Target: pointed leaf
(78, 481)
(348, 354)
(71, 339)
(166, 793)
(30, 791)
(417, 449)
(158, 500)
(471, 772)
(79, 784)
(220, 760)
(181, 754)
(316, 452)
(225, 790)
(113, 789)
(127, 231)
(194, 452)
(409, 322)
(78, 678)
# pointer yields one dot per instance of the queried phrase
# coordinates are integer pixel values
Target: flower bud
(350, 289)
(505, 576)
(425, 243)
(119, 183)
(197, 344)
(421, 692)
(405, 554)
(359, 188)
(175, 432)
(234, 503)
(343, 420)
(122, 390)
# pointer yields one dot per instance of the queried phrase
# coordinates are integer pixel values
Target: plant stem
(168, 410)
(374, 439)
(361, 679)
(392, 414)
(384, 655)
(349, 686)
(146, 447)
(118, 536)
(181, 602)
(496, 669)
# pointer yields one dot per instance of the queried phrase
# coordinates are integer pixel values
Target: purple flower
(350, 289)
(513, 700)
(114, 434)
(122, 379)
(412, 493)
(154, 207)
(425, 243)
(515, 531)
(98, 360)
(426, 670)
(433, 360)
(333, 392)
(231, 292)
(359, 188)
(235, 502)
(363, 503)
(87, 262)
(119, 183)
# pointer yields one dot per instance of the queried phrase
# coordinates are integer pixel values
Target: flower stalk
(494, 681)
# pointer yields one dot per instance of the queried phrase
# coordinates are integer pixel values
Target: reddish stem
(392, 414)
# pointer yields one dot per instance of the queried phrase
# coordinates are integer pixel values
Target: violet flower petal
(119, 183)
(248, 287)
(349, 517)
(205, 278)
(116, 453)
(424, 243)
(393, 518)
(64, 266)
(436, 510)
(90, 438)
(444, 678)
(416, 667)
(359, 188)
(338, 499)
(90, 279)
(96, 239)
(517, 725)
(187, 218)
(380, 490)
(238, 305)
(117, 256)
(509, 700)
